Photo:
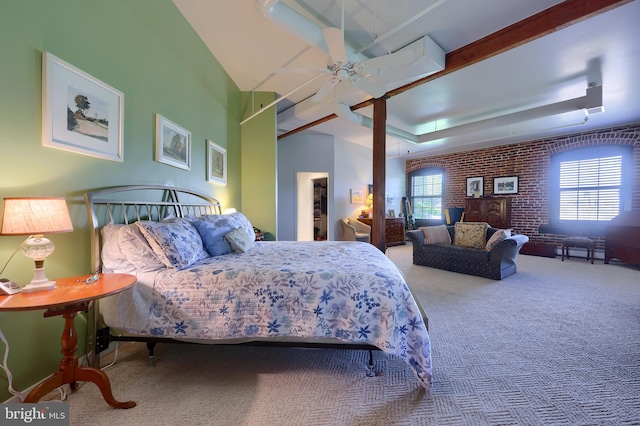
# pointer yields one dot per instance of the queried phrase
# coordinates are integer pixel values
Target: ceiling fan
(348, 70)
(345, 68)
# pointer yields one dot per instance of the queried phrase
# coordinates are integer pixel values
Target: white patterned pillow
(112, 257)
(471, 234)
(497, 236)
(238, 241)
(436, 234)
(136, 249)
(232, 221)
(176, 243)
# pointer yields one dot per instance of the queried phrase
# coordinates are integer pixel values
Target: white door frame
(304, 215)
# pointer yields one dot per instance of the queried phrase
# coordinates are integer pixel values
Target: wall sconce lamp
(35, 217)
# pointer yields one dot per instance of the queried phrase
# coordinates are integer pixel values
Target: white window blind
(427, 196)
(590, 188)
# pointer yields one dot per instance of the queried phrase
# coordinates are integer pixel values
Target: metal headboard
(127, 204)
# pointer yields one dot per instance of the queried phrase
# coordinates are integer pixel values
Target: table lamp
(369, 203)
(35, 217)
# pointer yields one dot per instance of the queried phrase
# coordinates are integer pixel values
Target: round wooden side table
(71, 295)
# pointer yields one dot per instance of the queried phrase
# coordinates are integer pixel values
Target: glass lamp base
(32, 288)
(39, 283)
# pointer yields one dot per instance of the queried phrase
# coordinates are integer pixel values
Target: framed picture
(173, 144)
(80, 113)
(475, 186)
(216, 163)
(505, 185)
(357, 196)
(392, 213)
(389, 197)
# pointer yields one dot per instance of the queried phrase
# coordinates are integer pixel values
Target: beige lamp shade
(34, 217)
(369, 201)
(27, 216)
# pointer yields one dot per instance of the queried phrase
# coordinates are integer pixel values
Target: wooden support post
(379, 173)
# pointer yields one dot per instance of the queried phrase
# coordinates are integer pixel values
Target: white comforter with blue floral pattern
(345, 290)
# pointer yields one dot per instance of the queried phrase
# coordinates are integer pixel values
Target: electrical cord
(61, 389)
(5, 367)
(13, 254)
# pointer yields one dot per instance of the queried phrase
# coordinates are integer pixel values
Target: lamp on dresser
(35, 217)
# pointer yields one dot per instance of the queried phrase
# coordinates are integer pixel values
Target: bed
(201, 278)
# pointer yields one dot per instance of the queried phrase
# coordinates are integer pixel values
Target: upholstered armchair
(354, 230)
(452, 215)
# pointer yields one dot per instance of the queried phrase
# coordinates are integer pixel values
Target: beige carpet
(557, 343)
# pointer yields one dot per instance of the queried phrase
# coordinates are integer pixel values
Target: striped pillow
(497, 236)
(436, 234)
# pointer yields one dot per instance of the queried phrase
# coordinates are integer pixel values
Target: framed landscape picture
(80, 113)
(475, 186)
(357, 196)
(216, 163)
(173, 144)
(505, 185)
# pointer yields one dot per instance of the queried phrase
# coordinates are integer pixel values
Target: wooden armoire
(496, 211)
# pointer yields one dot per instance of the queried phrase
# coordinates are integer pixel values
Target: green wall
(147, 50)
(259, 194)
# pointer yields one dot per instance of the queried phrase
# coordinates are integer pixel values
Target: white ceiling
(474, 102)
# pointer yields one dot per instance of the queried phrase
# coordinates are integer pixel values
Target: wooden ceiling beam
(548, 21)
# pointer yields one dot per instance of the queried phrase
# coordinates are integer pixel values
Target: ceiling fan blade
(335, 43)
(368, 87)
(398, 58)
(324, 91)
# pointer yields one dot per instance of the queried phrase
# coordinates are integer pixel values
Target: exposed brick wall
(530, 161)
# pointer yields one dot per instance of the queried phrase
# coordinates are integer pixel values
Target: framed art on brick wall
(475, 186)
(505, 185)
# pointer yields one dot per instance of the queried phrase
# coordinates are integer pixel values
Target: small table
(71, 295)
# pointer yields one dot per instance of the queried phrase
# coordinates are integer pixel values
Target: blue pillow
(212, 234)
(175, 243)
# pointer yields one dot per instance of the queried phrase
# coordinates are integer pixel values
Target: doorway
(313, 207)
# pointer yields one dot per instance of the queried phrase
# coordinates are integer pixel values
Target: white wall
(300, 153)
(350, 167)
(395, 184)
(353, 171)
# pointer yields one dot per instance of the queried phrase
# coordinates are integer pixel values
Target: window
(426, 193)
(590, 185)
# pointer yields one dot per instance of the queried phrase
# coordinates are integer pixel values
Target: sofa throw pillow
(471, 234)
(176, 243)
(436, 234)
(212, 234)
(497, 236)
(239, 241)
